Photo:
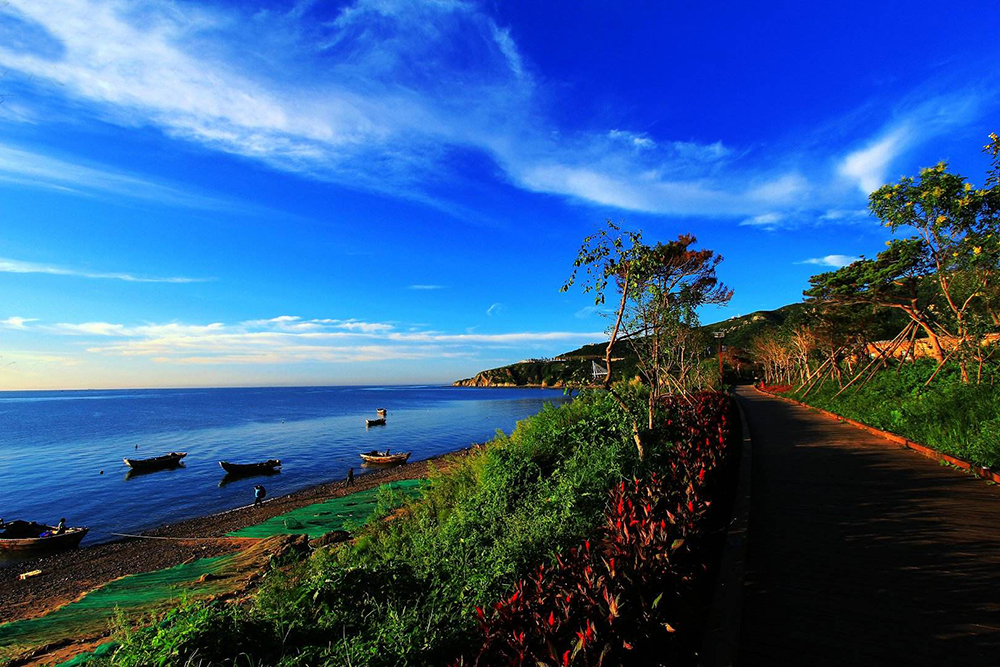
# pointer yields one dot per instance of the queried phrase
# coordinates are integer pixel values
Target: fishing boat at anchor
(264, 467)
(156, 463)
(375, 456)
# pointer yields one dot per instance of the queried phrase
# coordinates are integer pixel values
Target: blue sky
(309, 192)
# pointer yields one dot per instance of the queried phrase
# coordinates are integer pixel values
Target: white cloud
(632, 138)
(18, 266)
(835, 261)
(691, 150)
(494, 309)
(841, 215)
(363, 327)
(370, 108)
(867, 167)
(768, 221)
(381, 95)
(93, 329)
(425, 287)
(17, 322)
(588, 311)
(784, 189)
(283, 339)
(19, 166)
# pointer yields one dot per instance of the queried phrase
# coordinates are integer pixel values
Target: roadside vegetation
(936, 287)
(426, 580)
(586, 537)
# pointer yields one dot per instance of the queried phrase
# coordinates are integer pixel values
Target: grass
(962, 420)
(405, 591)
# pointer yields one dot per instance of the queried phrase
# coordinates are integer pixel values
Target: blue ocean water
(54, 444)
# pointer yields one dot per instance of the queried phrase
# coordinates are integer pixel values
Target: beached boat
(381, 412)
(375, 422)
(155, 463)
(22, 538)
(381, 457)
(250, 468)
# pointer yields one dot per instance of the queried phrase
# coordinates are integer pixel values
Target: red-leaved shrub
(626, 595)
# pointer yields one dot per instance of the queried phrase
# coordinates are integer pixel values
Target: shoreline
(68, 575)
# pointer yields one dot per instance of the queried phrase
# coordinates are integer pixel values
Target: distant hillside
(575, 366)
(740, 331)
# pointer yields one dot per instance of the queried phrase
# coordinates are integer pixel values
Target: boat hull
(250, 468)
(20, 547)
(392, 459)
(166, 461)
(375, 422)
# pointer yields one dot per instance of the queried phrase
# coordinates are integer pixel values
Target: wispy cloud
(18, 266)
(20, 166)
(589, 311)
(768, 221)
(16, 322)
(381, 94)
(494, 309)
(867, 167)
(844, 216)
(425, 287)
(290, 338)
(632, 139)
(835, 261)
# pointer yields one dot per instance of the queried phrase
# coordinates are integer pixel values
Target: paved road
(862, 553)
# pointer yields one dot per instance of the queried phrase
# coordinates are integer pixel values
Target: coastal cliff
(502, 377)
(533, 373)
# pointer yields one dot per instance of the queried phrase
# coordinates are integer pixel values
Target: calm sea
(54, 445)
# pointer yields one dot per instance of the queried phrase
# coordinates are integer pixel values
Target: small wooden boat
(250, 468)
(383, 458)
(20, 538)
(375, 422)
(381, 412)
(156, 463)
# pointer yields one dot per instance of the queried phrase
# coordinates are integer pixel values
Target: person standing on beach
(350, 477)
(258, 495)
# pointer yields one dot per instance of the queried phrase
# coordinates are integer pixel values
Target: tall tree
(896, 278)
(658, 289)
(956, 237)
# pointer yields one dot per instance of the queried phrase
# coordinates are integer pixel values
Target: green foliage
(405, 591)
(192, 633)
(949, 416)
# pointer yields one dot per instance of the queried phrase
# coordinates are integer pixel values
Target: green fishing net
(101, 651)
(89, 615)
(329, 515)
(158, 590)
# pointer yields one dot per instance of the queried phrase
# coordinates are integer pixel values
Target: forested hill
(575, 367)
